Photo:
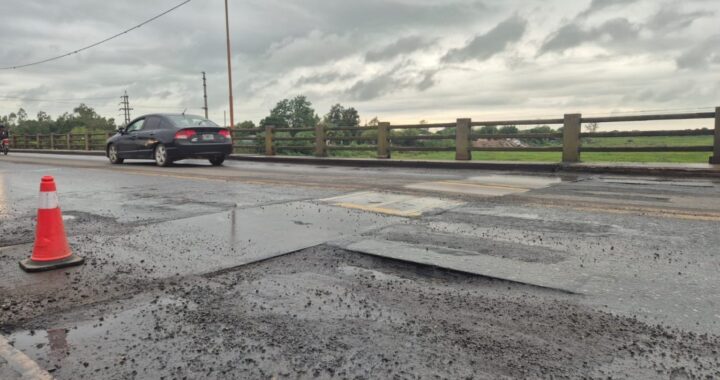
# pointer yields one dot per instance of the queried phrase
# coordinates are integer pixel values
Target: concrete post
(52, 141)
(269, 147)
(87, 141)
(68, 141)
(14, 141)
(320, 141)
(383, 143)
(715, 158)
(463, 147)
(38, 145)
(571, 138)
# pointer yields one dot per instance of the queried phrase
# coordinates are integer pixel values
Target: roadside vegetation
(82, 119)
(298, 113)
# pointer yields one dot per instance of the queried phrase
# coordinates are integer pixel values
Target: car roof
(171, 114)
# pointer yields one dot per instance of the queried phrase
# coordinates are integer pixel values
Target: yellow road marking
(493, 186)
(379, 209)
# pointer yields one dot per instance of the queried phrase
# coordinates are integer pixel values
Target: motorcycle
(5, 146)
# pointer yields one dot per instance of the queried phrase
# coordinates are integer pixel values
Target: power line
(97, 43)
(64, 100)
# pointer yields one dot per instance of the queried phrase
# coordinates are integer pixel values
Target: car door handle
(133, 137)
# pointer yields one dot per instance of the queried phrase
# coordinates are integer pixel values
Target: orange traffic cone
(51, 250)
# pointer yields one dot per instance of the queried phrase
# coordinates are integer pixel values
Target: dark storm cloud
(618, 30)
(669, 19)
(428, 80)
(339, 50)
(400, 77)
(494, 41)
(322, 78)
(270, 22)
(599, 5)
(374, 87)
(701, 55)
(402, 46)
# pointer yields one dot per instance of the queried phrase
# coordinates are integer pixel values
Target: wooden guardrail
(458, 137)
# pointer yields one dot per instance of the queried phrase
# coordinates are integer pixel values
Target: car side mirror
(121, 130)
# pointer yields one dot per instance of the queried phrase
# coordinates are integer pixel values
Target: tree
(292, 113)
(591, 128)
(339, 116)
(508, 130)
(21, 115)
(541, 141)
(83, 119)
(488, 130)
(43, 116)
(541, 129)
(245, 124)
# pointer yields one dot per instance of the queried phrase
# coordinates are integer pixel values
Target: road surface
(285, 271)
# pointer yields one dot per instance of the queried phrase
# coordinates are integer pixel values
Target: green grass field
(670, 157)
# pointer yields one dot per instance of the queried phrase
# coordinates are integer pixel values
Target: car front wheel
(113, 155)
(161, 156)
(217, 161)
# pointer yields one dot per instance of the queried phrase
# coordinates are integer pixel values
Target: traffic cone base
(30, 265)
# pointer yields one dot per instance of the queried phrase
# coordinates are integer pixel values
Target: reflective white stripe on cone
(48, 200)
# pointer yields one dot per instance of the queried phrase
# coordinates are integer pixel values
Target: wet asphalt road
(274, 270)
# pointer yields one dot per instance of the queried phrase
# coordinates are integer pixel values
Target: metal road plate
(554, 276)
(391, 203)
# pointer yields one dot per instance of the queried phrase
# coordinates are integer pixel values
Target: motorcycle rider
(3, 135)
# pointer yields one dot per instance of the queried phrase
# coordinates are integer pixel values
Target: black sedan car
(169, 137)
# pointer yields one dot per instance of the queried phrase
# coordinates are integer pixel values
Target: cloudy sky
(400, 60)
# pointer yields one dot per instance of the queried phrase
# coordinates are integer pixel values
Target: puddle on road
(73, 344)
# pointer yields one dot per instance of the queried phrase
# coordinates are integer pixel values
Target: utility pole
(205, 95)
(227, 37)
(125, 107)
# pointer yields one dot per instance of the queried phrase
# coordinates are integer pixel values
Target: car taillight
(184, 134)
(225, 133)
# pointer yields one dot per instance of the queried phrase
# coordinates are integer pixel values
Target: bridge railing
(462, 137)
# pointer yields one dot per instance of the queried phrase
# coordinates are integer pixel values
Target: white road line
(25, 367)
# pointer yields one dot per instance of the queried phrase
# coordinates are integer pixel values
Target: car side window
(151, 124)
(136, 126)
(164, 124)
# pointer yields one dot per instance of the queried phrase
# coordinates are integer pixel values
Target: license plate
(208, 137)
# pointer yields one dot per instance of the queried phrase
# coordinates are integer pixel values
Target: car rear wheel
(217, 161)
(113, 155)
(161, 156)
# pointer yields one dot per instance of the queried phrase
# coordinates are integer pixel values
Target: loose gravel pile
(328, 313)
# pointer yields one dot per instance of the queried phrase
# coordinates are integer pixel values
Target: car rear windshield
(190, 121)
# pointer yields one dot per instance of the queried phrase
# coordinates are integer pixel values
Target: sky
(399, 60)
